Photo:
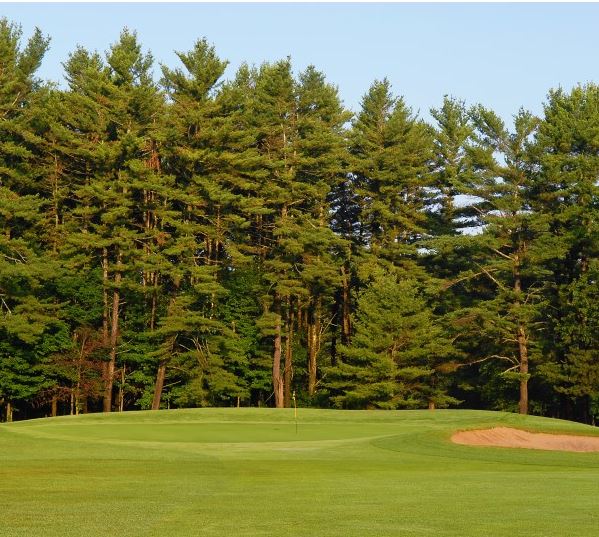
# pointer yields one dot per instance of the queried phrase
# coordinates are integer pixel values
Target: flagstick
(295, 411)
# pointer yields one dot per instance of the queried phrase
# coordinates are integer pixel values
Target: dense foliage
(200, 241)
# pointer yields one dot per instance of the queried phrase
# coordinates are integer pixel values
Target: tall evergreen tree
(391, 152)
(395, 356)
(205, 156)
(115, 107)
(30, 325)
(453, 170)
(300, 137)
(509, 251)
(568, 194)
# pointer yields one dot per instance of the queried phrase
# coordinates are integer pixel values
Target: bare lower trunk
(313, 348)
(336, 319)
(122, 389)
(158, 387)
(114, 328)
(277, 379)
(311, 358)
(105, 311)
(54, 406)
(105, 296)
(161, 371)
(76, 396)
(523, 349)
(110, 367)
(152, 279)
(522, 344)
(8, 412)
(288, 373)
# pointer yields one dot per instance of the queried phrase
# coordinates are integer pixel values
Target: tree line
(195, 240)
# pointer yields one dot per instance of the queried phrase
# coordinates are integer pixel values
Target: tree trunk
(337, 326)
(288, 373)
(313, 347)
(8, 412)
(105, 311)
(522, 344)
(277, 379)
(54, 406)
(311, 358)
(158, 387)
(76, 394)
(523, 349)
(107, 403)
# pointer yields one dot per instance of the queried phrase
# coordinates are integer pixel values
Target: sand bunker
(515, 438)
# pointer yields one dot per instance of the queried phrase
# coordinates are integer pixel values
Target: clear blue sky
(502, 55)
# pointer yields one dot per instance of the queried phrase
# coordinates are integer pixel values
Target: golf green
(255, 472)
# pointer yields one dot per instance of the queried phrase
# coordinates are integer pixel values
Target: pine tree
(30, 325)
(391, 152)
(451, 204)
(114, 106)
(509, 252)
(322, 158)
(568, 196)
(300, 137)
(397, 351)
(453, 170)
(207, 155)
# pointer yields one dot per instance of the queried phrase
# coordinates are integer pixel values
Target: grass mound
(247, 472)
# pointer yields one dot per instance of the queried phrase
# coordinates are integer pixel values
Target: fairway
(247, 472)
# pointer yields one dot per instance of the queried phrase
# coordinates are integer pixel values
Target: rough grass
(245, 472)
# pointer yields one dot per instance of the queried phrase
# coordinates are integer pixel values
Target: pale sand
(516, 438)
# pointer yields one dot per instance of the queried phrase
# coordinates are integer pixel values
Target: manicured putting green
(247, 472)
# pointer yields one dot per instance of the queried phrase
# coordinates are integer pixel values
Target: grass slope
(245, 472)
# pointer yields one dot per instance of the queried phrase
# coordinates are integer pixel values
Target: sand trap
(515, 438)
